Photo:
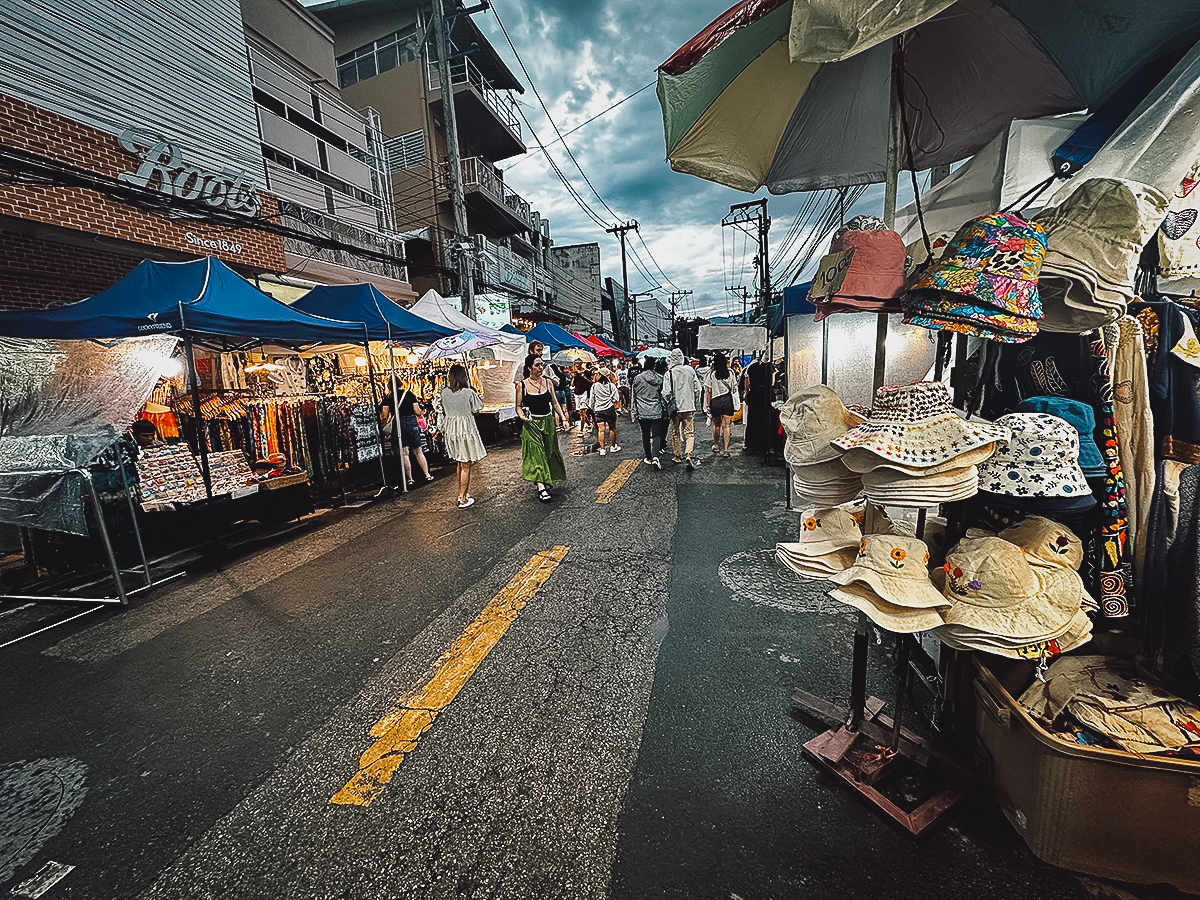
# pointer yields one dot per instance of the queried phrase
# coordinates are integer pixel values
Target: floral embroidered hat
(1046, 542)
(994, 260)
(1082, 417)
(993, 589)
(915, 425)
(1041, 459)
(811, 418)
(828, 529)
(889, 581)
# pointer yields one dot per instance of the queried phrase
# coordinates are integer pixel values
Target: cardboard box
(1098, 811)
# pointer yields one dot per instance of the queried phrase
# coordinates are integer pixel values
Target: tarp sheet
(385, 319)
(203, 296)
(62, 403)
(750, 338)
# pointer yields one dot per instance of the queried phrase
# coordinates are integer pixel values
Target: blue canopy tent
(512, 329)
(794, 303)
(202, 301)
(385, 319)
(556, 338)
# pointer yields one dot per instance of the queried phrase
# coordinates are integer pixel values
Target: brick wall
(44, 265)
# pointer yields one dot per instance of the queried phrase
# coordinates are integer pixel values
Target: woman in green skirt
(541, 460)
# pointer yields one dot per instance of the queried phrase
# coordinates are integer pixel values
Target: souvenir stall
(204, 304)
(1024, 586)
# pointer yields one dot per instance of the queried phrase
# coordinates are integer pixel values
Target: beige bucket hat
(895, 567)
(993, 589)
(901, 619)
(887, 486)
(916, 425)
(1076, 633)
(821, 566)
(823, 530)
(863, 461)
(811, 418)
(1046, 542)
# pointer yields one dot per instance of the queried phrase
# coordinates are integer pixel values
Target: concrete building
(172, 132)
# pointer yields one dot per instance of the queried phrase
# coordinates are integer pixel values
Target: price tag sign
(830, 275)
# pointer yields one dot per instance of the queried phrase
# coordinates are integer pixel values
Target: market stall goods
(889, 581)
(864, 271)
(1037, 465)
(829, 539)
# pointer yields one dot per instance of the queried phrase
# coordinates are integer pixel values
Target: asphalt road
(583, 699)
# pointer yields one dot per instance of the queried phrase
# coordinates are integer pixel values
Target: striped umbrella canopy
(794, 95)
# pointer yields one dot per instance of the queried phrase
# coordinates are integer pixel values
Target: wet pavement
(589, 698)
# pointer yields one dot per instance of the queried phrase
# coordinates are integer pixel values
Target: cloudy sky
(583, 57)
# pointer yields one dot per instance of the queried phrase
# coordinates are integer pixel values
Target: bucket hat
(823, 530)
(993, 261)
(820, 566)
(1040, 459)
(993, 588)
(886, 486)
(896, 568)
(874, 279)
(1046, 542)
(950, 312)
(861, 460)
(811, 418)
(1076, 633)
(1082, 418)
(900, 619)
(915, 425)
(1096, 234)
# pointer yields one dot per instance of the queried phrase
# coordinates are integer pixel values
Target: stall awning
(385, 319)
(202, 297)
(556, 338)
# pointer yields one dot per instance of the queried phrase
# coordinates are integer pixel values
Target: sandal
(544, 495)
(429, 478)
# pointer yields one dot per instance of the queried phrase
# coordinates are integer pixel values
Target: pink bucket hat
(874, 280)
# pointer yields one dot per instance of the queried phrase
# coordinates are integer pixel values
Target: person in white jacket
(681, 391)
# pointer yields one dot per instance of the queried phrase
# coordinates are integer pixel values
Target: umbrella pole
(396, 418)
(375, 403)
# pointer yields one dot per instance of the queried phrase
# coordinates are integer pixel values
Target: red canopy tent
(598, 346)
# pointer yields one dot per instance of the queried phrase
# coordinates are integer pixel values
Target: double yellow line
(397, 732)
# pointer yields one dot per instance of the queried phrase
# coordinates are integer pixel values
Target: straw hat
(994, 589)
(811, 418)
(915, 425)
(1041, 459)
(895, 568)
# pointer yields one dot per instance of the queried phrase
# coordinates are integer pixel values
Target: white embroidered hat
(1040, 459)
(916, 425)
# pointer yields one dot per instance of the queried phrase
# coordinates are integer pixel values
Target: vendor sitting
(145, 433)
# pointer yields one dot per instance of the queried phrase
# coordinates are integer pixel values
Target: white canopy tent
(433, 306)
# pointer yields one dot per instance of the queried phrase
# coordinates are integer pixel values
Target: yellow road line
(613, 482)
(399, 730)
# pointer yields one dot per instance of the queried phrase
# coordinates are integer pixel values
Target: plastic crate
(1098, 811)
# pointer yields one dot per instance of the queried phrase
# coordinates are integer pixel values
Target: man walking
(681, 391)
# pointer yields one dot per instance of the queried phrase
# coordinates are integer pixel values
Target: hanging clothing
(1173, 379)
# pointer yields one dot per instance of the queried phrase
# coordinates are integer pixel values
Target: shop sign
(219, 244)
(162, 168)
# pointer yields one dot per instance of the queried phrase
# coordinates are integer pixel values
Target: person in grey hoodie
(681, 391)
(649, 410)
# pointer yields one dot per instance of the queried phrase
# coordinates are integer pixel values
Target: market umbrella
(459, 344)
(654, 353)
(793, 94)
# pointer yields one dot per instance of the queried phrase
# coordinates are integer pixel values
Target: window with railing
(379, 56)
(463, 71)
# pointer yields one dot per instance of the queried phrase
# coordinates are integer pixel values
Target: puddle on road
(758, 576)
(37, 797)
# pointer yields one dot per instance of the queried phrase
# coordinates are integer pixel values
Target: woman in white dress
(457, 405)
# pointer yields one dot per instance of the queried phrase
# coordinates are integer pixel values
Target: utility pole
(619, 231)
(755, 212)
(676, 296)
(633, 298)
(462, 239)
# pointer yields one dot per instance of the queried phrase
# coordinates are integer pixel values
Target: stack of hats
(985, 283)
(889, 581)
(1003, 603)
(811, 418)
(1096, 235)
(1038, 469)
(918, 255)
(874, 279)
(829, 540)
(915, 450)
(1082, 418)
(1050, 543)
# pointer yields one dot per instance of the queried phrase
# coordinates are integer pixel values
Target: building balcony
(487, 119)
(492, 209)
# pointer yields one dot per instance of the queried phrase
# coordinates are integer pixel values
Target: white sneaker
(654, 462)
(616, 448)
(647, 462)
(602, 451)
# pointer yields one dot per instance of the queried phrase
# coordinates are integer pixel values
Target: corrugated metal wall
(176, 68)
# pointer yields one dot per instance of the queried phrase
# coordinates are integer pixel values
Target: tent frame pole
(374, 402)
(396, 419)
(201, 430)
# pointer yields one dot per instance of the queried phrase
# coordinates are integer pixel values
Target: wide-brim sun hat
(916, 425)
(862, 461)
(899, 619)
(811, 418)
(1076, 633)
(957, 484)
(992, 588)
(1040, 459)
(896, 568)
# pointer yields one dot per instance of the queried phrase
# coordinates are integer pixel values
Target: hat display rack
(860, 767)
